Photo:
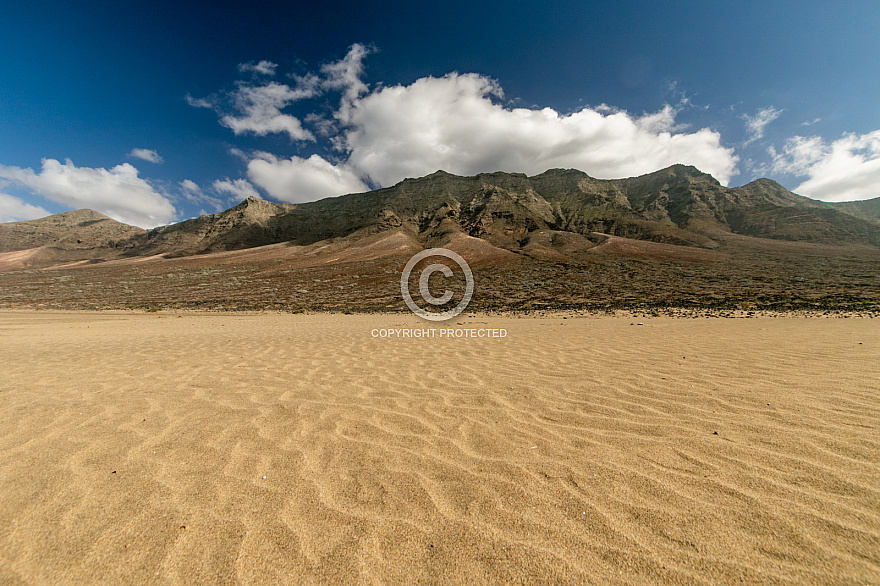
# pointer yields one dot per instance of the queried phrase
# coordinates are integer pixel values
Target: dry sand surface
(153, 448)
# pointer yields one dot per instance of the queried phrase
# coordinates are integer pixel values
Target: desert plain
(253, 448)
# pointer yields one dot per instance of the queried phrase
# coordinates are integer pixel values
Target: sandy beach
(276, 448)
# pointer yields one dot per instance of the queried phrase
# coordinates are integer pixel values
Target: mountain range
(675, 215)
(678, 205)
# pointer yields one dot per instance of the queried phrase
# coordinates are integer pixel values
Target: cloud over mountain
(297, 179)
(844, 170)
(117, 192)
(457, 122)
(237, 189)
(12, 209)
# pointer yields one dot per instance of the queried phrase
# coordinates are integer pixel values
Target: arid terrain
(561, 240)
(188, 448)
(622, 273)
(600, 440)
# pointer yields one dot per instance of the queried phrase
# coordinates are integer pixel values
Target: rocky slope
(77, 230)
(66, 237)
(678, 205)
(541, 215)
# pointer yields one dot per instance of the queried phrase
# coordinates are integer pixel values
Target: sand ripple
(299, 449)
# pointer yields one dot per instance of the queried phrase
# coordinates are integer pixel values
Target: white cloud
(13, 209)
(755, 125)
(798, 155)
(345, 75)
(257, 109)
(208, 103)
(261, 67)
(239, 154)
(117, 192)
(298, 180)
(148, 155)
(847, 169)
(260, 111)
(452, 123)
(193, 193)
(239, 189)
(190, 186)
(455, 123)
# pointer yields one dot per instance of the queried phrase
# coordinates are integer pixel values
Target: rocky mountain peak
(677, 205)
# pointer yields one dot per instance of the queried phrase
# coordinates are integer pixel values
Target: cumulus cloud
(261, 67)
(239, 189)
(755, 125)
(452, 123)
(13, 209)
(457, 123)
(847, 169)
(117, 192)
(257, 109)
(345, 75)
(260, 111)
(148, 155)
(298, 180)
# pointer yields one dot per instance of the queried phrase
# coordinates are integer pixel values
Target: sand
(152, 448)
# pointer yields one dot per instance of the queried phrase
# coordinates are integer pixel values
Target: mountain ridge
(678, 205)
(77, 229)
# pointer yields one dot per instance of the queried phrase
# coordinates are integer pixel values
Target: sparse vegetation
(689, 243)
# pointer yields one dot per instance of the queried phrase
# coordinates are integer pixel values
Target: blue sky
(157, 112)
